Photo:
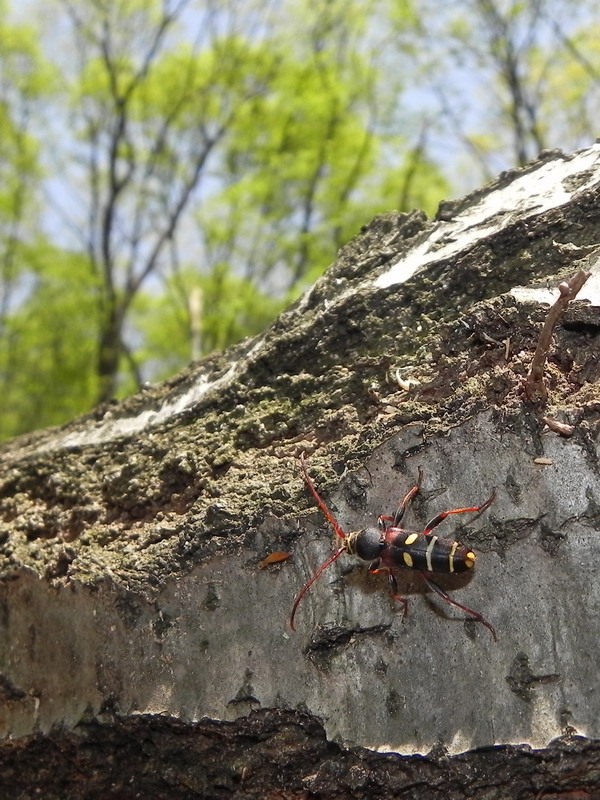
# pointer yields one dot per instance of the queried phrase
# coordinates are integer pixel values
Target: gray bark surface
(133, 608)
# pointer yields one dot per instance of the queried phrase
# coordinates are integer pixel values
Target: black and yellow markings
(406, 556)
(389, 546)
(426, 552)
(429, 551)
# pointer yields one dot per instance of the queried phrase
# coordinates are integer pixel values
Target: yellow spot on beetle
(470, 559)
(407, 559)
(412, 538)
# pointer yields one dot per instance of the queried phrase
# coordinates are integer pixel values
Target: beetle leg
(475, 614)
(400, 511)
(441, 517)
(393, 583)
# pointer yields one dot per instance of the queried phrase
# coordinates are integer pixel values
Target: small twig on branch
(535, 389)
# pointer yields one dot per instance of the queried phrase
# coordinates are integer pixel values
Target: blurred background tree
(174, 172)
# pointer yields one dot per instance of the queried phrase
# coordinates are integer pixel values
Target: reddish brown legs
(441, 517)
(449, 599)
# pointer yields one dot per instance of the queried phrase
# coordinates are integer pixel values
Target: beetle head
(365, 544)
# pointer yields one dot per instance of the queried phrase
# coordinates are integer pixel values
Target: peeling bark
(136, 591)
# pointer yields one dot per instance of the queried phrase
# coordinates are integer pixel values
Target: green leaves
(209, 163)
(47, 358)
(197, 314)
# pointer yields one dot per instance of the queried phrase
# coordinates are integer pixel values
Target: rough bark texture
(144, 653)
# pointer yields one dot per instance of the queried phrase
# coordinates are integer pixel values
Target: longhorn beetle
(389, 547)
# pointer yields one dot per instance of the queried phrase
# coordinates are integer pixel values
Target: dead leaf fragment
(274, 558)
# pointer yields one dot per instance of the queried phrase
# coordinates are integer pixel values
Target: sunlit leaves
(215, 310)
(209, 175)
(47, 369)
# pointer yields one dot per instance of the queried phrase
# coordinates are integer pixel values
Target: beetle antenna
(337, 528)
(322, 505)
(307, 585)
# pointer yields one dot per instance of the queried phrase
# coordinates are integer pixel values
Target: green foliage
(25, 78)
(304, 165)
(47, 361)
(220, 308)
(216, 172)
(277, 137)
(573, 86)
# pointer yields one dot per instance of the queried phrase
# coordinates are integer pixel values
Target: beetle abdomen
(428, 553)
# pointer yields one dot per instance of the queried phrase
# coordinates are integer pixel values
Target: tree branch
(535, 389)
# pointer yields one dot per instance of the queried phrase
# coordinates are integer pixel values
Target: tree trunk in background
(145, 653)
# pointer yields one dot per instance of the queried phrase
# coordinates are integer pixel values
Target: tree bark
(144, 652)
